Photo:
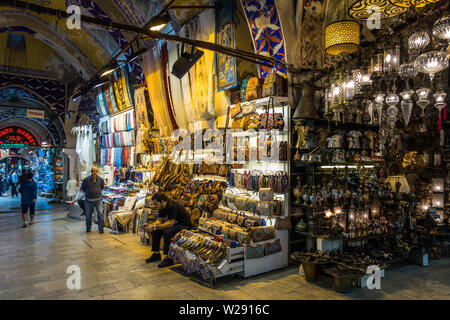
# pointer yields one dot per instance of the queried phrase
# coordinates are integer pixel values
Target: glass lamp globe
(392, 99)
(406, 105)
(407, 70)
(431, 63)
(418, 40)
(379, 98)
(441, 28)
(423, 101)
(439, 97)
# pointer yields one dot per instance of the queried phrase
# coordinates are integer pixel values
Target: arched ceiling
(79, 52)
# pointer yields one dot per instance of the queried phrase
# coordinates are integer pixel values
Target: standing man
(172, 219)
(92, 187)
(14, 182)
(28, 191)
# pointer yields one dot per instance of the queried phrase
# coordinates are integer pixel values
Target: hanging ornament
(406, 105)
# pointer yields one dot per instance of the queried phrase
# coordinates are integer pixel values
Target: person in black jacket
(172, 219)
(28, 191)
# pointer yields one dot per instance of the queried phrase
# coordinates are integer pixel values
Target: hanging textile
(155, 83)
(141, 107)
(203, 71)
(128, 95)
(164, 64)
(226, 36)
(102, 108)
(173, 86)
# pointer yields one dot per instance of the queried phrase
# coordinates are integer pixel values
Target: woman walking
(28, 191)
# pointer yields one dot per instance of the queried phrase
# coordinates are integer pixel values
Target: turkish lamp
(342, 37)
(349, 87)
(328, 213)
(439, 98)
(379, 100)
(431, 63)
(406, 105)
(423, 101)
(419, 40)
(376, 64)
(391, 59)
(441, 30)
(407, 70)
(357, 81)
(392, 111)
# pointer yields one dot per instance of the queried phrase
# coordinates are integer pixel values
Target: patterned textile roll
(113, 99)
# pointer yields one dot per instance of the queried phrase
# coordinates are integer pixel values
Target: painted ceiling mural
(266, 32)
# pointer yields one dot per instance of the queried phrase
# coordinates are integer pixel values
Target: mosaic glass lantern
(342, 37)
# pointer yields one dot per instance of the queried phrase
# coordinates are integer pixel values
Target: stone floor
(33, 263)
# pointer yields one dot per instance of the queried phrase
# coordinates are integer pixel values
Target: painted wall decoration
(266, 32)
(312, 42)
(226, 36)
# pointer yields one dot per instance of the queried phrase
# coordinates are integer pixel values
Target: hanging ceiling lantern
(418, 40)
(363, 9)
(342, 37)
(441, 28)
(411, 3)
(431, 62)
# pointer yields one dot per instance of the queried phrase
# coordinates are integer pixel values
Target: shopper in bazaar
(14, 182)
(28, 191)
(172, 219)
(92, 187)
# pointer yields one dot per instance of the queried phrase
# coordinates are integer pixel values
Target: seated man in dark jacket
(172, 219)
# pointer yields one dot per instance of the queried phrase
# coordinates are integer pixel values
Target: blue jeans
(98, 205)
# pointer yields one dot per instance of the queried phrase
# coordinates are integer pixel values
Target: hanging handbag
(235, 110)
(265, 208)
(244, 85)
(283, 147)
(254, 89)
(251, 205)
(265, 194)
(271, 121)
(273, 85)
(278, 207)
(273, 247)
(283, 223)
(269, 231)
(253, 251)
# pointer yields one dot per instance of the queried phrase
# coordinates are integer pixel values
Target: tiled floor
(33, 263)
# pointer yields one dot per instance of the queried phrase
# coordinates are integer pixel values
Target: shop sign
(15, 137)
(32, 113)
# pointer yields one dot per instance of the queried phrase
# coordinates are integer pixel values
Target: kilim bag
(254, 89)
(273, 247)
(273, 85)
(283, 223)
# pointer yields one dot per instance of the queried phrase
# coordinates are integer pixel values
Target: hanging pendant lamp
(342, 37)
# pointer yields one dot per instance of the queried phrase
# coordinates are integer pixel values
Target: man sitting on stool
(172, 219)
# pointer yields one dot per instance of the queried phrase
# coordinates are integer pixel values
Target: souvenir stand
(368, 176)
